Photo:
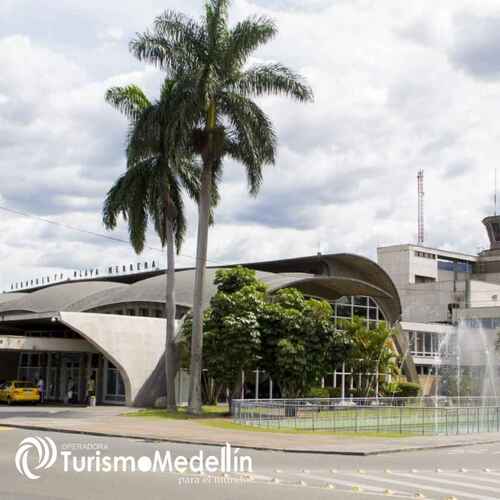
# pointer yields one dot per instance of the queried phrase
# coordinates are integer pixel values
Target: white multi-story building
(442, 291)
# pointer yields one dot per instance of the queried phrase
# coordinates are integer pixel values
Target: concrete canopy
(329, 277)
(9, 297)
(59, 297)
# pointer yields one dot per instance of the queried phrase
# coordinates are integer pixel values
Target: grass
(181, 413)
(227, 424)
(218, 417)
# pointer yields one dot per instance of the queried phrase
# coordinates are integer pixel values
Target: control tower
(492, 225)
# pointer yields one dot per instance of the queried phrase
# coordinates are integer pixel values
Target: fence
(382, 415)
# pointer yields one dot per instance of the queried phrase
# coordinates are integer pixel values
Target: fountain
(467, 365)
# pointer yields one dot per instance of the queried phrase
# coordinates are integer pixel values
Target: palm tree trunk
(170, 345)
(199, 288)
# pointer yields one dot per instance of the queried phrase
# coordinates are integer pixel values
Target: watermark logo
(46, 452)
(94, 459)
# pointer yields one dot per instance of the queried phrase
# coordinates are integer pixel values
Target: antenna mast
(420, 183)
(495, 193)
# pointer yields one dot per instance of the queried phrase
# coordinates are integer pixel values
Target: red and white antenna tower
(420, 183)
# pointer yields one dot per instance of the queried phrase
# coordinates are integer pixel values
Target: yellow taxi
(18, 391)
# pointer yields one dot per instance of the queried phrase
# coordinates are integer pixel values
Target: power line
(85, 231)
(71, 228)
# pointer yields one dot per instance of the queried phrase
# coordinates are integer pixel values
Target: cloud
(477, 46)
(398, 87)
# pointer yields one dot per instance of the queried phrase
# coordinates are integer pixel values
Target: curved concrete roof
(153, 290)
(327, 276)
(58, 297)
(9, 297)
(349, 267)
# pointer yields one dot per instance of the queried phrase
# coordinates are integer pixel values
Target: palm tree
(152, 189)
(219, 117)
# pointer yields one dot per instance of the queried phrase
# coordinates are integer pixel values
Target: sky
(399, 86)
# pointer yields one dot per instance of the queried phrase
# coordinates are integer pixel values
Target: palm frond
(184, 34)
(144, 138)
(252, 138)
(128, 197)
(161, 52)
(114, 204)
(246, 37)
(273, 79)
(129, 100)
(216, 27)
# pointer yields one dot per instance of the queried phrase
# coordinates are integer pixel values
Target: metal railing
(427, 415)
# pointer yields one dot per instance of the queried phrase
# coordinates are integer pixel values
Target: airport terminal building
(111, 327)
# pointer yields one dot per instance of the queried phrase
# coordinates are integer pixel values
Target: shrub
(407, 390)
(335, 392)
(318, 392)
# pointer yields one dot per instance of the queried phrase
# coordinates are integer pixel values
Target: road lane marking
(441, 480)
(475, 478)
(418, 486)
(366, 487)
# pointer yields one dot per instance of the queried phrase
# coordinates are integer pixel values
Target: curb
(406, 449)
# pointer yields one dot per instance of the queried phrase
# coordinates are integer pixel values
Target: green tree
(371, 350)
(296, 338)
(232, 329)
(152, 190)
(246, 328)
(218, 116)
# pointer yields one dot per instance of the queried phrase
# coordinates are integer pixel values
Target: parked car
(18, 391)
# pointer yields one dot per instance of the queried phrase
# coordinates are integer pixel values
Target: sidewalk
(195, 432)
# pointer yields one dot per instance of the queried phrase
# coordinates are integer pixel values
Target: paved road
(466, 473)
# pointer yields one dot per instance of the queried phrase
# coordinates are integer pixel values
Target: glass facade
(427, 344)
(115, 389)
(490, 323)
(366, 308)
(66, 375)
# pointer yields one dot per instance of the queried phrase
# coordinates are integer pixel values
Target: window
(425, 255)
(115, 389)
(130, 312)
(360, 311)
(424, 279)
(428, 342)
(143, 311)
(344, 300)
(360, 301)
(496, 230)
(364, 307)
(344, 311)
(94, 361)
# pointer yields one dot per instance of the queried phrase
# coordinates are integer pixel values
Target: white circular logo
(47, 455)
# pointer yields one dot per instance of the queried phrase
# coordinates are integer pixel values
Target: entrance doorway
(70, 386)
(72, 371)
(113, 383)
